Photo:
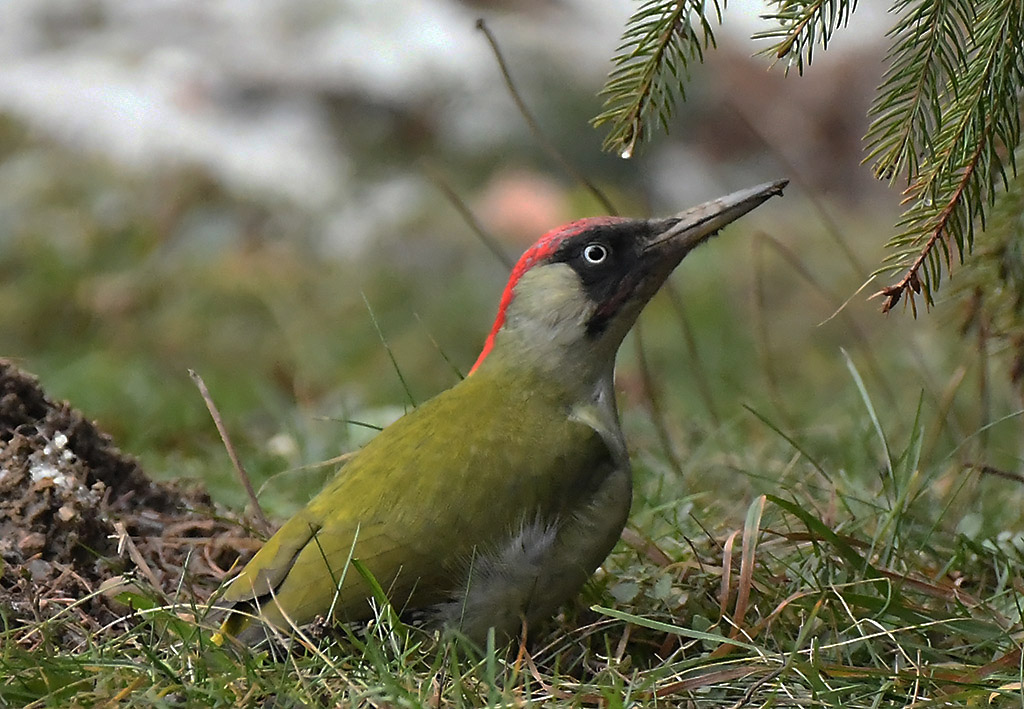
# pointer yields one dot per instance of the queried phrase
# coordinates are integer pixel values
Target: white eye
(595, 253)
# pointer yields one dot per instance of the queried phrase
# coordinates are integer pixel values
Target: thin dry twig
(538, 134)
(654, 403)
(700, 375)
(756, 685)
(807, 188)
(124, 542)
(242, 475)
(442, 183)
(761, 328)
(645, 547)
(994, 471)
(805, 272)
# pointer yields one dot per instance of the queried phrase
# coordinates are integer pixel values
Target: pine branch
(937, 228)
(802, 24)
(927, 53)
(946, 119)
(978, 130)
(660, 41)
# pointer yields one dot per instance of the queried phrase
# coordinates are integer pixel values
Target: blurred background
(257, 191)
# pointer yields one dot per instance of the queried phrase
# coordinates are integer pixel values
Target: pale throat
(544, 329)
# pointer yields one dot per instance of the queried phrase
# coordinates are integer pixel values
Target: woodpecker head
(574, 294)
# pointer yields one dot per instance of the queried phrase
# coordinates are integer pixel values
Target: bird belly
(540, 566)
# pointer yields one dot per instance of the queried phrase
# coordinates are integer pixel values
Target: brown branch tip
(892, 295)
(909, 284)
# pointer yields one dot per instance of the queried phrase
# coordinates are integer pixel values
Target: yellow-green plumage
(449, 483)
(492, 503)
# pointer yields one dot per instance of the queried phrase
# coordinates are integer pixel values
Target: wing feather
(421, 499)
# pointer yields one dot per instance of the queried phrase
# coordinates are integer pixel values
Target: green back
(450, 479)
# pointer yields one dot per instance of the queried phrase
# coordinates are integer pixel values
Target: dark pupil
(594, 253)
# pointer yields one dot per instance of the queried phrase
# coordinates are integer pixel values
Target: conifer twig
(946, 117)
(911, 282)
(802, 24)
(660, 41)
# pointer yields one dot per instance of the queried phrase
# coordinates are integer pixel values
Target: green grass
(817, 530)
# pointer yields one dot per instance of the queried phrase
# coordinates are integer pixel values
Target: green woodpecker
(494, 502)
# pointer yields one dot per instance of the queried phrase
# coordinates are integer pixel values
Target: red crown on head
(542, 249)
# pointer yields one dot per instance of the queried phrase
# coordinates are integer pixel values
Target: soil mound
(77, 514)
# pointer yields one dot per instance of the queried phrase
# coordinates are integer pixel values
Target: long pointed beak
(680, 234)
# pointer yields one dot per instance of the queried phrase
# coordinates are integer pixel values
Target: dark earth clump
(80, 522)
